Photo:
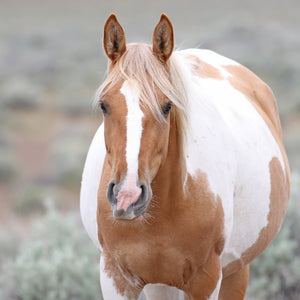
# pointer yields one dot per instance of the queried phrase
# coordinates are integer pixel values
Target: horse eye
(166, 109)
(103, 107)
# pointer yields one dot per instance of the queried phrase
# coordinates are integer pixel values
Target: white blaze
(130, 192)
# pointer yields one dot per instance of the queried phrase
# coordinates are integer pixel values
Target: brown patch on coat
(278, 204)
(259, 93)
(235, 285)
(203, 69)
(178, 245)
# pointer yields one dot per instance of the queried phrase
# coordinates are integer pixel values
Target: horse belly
(244, 164)
(261, 189)
(90, 183)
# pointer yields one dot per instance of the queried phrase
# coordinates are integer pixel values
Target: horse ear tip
(164, 17)
(112, 17)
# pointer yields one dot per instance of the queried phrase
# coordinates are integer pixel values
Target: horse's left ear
(114, 41)
(163, 39)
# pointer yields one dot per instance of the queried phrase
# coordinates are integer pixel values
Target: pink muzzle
(129, 193)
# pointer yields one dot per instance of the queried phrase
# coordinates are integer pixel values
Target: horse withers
(187, 180)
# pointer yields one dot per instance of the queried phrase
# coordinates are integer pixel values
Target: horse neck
(168, 183)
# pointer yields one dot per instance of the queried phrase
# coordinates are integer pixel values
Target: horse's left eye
(166, 109)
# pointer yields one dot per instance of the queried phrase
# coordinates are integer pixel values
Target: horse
(187, 180)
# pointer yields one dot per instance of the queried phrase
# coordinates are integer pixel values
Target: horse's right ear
(114, 41)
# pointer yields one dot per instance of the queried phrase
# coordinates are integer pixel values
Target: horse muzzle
(128, 201)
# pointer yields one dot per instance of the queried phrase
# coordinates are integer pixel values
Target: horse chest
(173, 253)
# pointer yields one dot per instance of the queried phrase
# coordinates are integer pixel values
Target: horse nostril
(144, 195)
(111, 193)
(144, 190)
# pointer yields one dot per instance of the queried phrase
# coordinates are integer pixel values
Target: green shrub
(276, 273)
(20, 93)
(7, 166)
(59, 263)
(31, 200)
(7, 159)
(9, 244)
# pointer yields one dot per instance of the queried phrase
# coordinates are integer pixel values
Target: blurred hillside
(52, 63)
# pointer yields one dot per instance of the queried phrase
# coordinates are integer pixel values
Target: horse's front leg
(206, 281)
(115, 284)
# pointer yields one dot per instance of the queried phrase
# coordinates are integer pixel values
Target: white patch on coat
(215, 293)
(213, 59)
(210, 57)
(108, 287)
(232, 144)
(130, 192)
(90, 183)
(162, 292)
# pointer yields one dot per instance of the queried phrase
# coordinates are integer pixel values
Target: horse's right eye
(103, 107)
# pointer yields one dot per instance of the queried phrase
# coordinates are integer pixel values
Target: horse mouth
(122, 215)
(133, 219)
(133, 213)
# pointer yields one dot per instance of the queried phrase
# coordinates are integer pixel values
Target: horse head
(136, 101)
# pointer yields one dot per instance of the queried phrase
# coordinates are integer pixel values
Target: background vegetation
(51, 64)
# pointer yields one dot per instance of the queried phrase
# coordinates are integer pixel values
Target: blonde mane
(139, 63)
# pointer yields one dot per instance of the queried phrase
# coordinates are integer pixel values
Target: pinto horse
(187, 180)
